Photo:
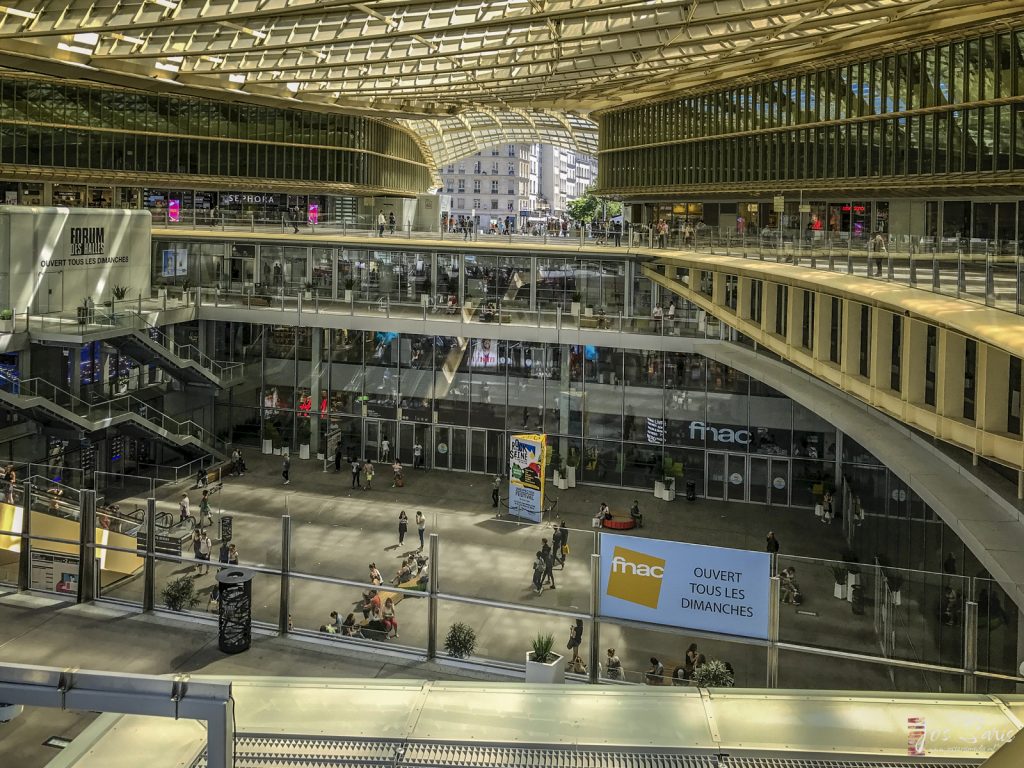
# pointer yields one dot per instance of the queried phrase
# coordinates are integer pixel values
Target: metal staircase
(182, 361)
(49, 404)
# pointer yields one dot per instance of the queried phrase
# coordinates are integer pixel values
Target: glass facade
(948, 108)
(134, 134)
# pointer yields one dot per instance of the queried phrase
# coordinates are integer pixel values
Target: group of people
(10, 480)
(548, 556)
(681, 675)
(387, 221)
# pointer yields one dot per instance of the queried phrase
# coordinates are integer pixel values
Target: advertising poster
(313, 213)
(54, 573)
(691, 586)
(526, 477)
(181, 267)
(168, 262)
(174, 210)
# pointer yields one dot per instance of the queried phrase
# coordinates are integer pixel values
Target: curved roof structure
(465, 73)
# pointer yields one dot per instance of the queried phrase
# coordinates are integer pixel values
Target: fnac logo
(636, 577)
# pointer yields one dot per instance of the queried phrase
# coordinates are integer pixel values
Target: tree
(589, 207)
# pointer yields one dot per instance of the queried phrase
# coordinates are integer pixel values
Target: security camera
(10, 711)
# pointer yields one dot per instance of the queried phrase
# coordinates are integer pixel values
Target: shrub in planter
(542, 649)
(460, 641)
(180, 593)
(712, 674)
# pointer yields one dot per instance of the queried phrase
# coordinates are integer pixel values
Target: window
(931, 356)
(476, 203)
(970, 369)
(511, 150)
(494, 204)
(781, 309)
(462, 185)
(511, 206)
(895, 368)
(807, 333)
(864, 367)
(1013, 398)
(460, 202)
(495, 152)
(494, 187)
(511, 169)
(756, 287)
(476, 167)
(511, 190)
(494, 166)
(476, 185)
(835, 330)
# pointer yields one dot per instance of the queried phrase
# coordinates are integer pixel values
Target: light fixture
(237, 78)
(167, 67)
(172, 4)
(86, 38)
(74, 49)
(17, 12)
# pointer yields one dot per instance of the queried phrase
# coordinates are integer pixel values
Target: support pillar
(25, 556)
(284, 611)
(595, 627)
(220, 737)
(87, 547)
(970, 645)
(774, 595)
(149, 564)
(432, 548)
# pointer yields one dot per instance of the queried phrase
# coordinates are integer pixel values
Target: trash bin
(234, 633)
(691, 490)
(226, 522)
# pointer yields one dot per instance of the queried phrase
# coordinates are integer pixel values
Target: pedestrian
(381, 223)
(656, 674)
(417, 455)
(337, 457)
(387, 614)
(205, 548)
(575, 638)
(391, 222)
(222, 553)
(826, 508)
(236, 458)
(232, 554)
(375, 578)
(403, 526)
(772, 543)
(634, 514)
(286, 466)
(421, 526)
(205, 517)
(549, 562)
(692, 660)
(368, 475)
(563, 543)
(538, 572)
(356, 467)
(385, 451)
(613, 666)
(184, 512)
(399, 479)
(196, 543)
(878, 250)
(496, 492)
(556, 543)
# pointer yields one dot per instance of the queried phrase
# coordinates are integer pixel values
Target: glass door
(735, 488)
(406, 440)
(779, 491)
(758, 488)
(716, 476)
(495, 453)
(460, 448)
(478, 450)
(371, 439)
(442, 447)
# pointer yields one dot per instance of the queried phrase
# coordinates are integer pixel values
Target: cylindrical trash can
(691, 490)
(225, 527)
(235, 610)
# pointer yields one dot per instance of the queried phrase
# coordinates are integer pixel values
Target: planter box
(574, 309)
(7, 326)
(307, 295)
(348, 296)
(277, 451)
(839, 592)
(268, 446)
(570, 476)
(303, 451)
(852, 580)
(550, 673)
(897, 598)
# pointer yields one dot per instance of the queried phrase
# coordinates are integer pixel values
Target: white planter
(7, 326)
(348, 296)
(303, 451)
(268, 446)
(574, 309)
(277, 451)
(307, 295)
(570, 476)
(897, 599)
(562, 484)
(161, 293)
(551, 673)
(839, 592)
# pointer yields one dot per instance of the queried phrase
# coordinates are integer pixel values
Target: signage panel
(712, 589)
(526, 476)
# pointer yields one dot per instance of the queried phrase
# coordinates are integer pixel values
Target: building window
(476, 203)
(511, 206)
(896, 354)
(476, 185)
(511, 169)
(864, 367)
(494, 204)
(495, 151)
(462, 185)
(494, 166)
(460, 202)
(494, 187)
(476, 167)
(511, 150)
(970, 369)
(931, 359)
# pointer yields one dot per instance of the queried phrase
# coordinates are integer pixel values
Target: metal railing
(187, 351)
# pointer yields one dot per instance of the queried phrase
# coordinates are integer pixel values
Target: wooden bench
(619, 523)
(396, 597)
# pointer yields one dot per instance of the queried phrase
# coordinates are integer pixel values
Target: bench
(396, 597)
(619, 523)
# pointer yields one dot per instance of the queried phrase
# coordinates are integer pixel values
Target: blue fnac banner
(712, 589)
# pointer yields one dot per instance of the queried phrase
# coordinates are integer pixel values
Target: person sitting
(655, 675)
(349, 628)
(790, 589)
(606, 512)
(634, 514)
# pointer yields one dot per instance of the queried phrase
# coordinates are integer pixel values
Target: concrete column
(820, 339)
(769, 305)
(743, 289)
(849, 332)
(949, 380)
(992, 377)
(915, 353)
(317, 384)
(881, 348)
(794, 322)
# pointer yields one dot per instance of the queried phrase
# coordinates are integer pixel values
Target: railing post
(936, 278)
(432, 590)
(774, 595)
(25, 556)
(594, 662)
(220, 737)
(990, 288)
(87, 547)
(149, 564)
(284, 610)
(970, 645)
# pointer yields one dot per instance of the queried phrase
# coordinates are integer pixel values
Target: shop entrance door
(736, 477)
(759, 479)
(478, 450)
(441, 450)
(716, 476)
(460, 448)
(371, 439)
(779, 489)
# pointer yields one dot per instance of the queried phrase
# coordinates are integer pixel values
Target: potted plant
(186, 288)
(270, 437)
(852, 573)
(543, 665)
(307, 292)
(570, 468)
(713, 673)
(350, 283)
(574, 308)
(6, 321)
(118, 292)
(839, 576)
(460, 641)
(304, 433)
(180, 594)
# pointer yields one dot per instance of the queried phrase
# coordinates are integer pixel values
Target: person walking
(286, 466)
(549, 563)
(184, 512)
(496, 492)
(417, 455)
(205, 517)
(575, 638)
(771, 543)
(403, 526)
(398, 480)
(381, 223)
(368, 475)
(538, 572)
(563, 543)
(196, 542)
(337, 457)
(391, 222)
(205, 548)
(878, 251)
(384, 455)
(556, 543)
(421, 526)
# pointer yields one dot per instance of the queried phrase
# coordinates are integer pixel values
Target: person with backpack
(286, 466)
(184, 513)
(563, 543)
(205, 517)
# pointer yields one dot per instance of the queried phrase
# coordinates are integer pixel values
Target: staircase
(182, 361)
(48, 404)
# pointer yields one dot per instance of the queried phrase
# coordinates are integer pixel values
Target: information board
(526, 477)
(712, 589)
(54, 573)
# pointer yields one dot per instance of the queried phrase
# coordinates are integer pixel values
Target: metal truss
(465, 74)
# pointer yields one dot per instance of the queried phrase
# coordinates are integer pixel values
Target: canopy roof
(466, 74)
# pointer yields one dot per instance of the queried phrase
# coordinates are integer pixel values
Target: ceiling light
(86, 38)
(293, 87)
(75, 49)
(236, 78)
(167, 67)
(172, 4)
(17, 12)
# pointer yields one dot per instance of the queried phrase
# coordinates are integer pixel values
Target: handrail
(184, 351)
(115, 406)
